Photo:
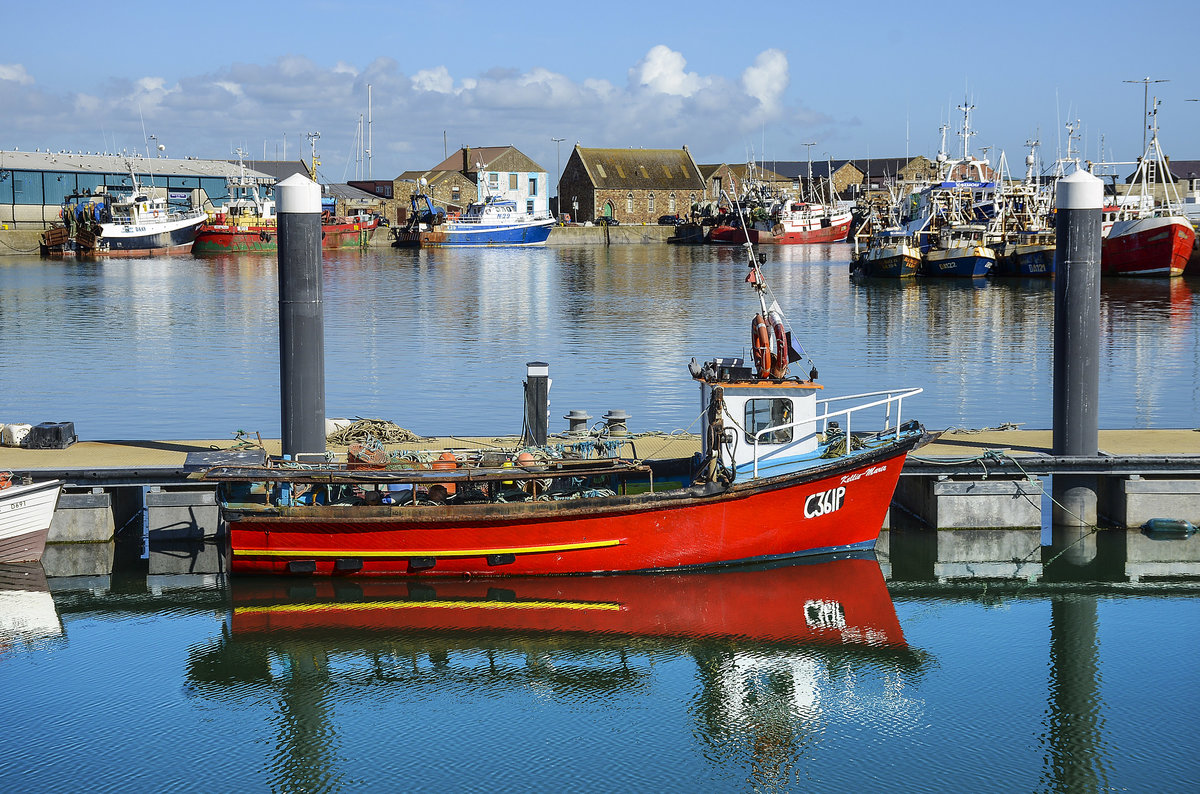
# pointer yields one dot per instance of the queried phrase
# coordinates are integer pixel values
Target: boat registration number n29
(825, 502)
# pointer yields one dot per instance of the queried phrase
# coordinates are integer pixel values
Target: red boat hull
(219, 239)
(828, 602)
(836, 507)
(1147, 247)
(735, 235)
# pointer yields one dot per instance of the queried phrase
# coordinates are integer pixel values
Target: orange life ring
(781, 350)
(5, 479)
(760, 345)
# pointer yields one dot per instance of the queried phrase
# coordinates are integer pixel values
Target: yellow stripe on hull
(600, 544)
(433, 604)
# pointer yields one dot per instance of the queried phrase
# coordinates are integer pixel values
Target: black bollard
(537, 403)
(301, 317)
(1080, 202)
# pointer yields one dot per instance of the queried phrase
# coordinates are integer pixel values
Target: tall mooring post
(537, 403)
(301, 317)
(1080, 202)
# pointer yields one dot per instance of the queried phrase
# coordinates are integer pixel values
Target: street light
(558, 154)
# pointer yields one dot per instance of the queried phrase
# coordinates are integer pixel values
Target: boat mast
(811, 191)
(312, 142)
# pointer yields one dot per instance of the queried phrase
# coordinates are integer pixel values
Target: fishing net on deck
(371, 432)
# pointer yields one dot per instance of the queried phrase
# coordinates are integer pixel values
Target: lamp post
(558, 167)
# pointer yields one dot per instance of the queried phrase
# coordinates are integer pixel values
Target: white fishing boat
(26, 511)
(130, 222)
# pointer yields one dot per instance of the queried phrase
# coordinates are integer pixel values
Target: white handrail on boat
(892, 397)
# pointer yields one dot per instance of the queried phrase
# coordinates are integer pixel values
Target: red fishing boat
(247, 223)
(780, 474)
(1151, 239)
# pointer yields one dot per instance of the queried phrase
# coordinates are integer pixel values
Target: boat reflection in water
(777, 651)
(28, 616)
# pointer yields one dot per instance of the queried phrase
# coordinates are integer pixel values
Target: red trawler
(795, 223)
(780, 474)
(247, 223)
(1151, 240)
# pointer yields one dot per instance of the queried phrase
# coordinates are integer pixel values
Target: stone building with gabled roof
(631, 185)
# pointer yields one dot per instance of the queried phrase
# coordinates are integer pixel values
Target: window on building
(764, 413)
(533, 186)
(454, 191)
(650, 203)
(27, 187)
(57, 186)
(512, 181)
(629, 202)
(494, 180)
(529, 207)
(671, 205)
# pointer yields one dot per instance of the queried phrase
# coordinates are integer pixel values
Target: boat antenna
(1145, 81)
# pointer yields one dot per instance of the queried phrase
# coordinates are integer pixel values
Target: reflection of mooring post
(301, 317)
(537, 402)
(1080, 202)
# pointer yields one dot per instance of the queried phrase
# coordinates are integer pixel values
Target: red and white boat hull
(834, 507)
(1155, 246)
(25, 515)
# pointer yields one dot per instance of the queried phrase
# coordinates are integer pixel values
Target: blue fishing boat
(959, 252)
(491, 222)
(890, 253)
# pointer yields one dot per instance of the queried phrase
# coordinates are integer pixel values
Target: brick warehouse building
(631, 185)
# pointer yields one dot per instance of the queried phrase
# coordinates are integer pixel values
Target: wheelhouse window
(763, 413)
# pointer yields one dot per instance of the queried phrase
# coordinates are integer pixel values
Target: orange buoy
(446, 461)
(760, 345)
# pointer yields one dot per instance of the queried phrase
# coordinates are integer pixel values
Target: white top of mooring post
(1080, 191)
(298, 193)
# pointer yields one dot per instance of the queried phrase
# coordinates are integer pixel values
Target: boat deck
(952, 453)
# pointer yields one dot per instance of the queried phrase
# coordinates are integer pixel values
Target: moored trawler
(491, 222)
(248, 223)
(1150, 239)
(133, 223)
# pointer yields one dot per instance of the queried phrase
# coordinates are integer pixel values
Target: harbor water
(437, 340)
(828, 675)
(975, 660)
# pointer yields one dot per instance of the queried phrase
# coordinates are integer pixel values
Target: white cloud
(15, 72)
(767, 79)
(436, 80)
(416, 115)
(662, 70)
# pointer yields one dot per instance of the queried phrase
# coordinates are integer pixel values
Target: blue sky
(732, 81)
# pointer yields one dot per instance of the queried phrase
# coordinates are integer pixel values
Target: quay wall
(20, 242)
(23, 242)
